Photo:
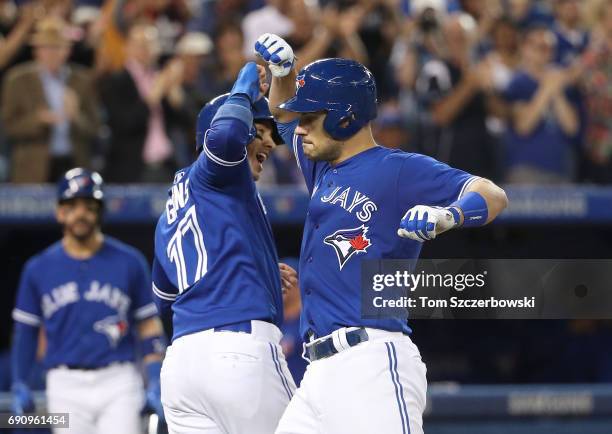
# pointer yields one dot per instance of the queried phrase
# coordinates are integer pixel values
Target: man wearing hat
(49, 108)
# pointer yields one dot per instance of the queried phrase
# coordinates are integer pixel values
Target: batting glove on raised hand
(423, 223)
(277, 52)
(23, 401)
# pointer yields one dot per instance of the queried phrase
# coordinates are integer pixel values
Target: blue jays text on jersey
(215, 258)
(354, 212)
(87, 306)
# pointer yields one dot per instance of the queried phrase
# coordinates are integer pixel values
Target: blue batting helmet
(343, 88)
(79, 182)
(261, 112)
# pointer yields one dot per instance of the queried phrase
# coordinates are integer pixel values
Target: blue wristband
(152, 345)
(474, 208)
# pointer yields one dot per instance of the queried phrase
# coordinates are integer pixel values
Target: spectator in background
(136, 105)
(229, 58)
(186, 96)
(453, 95)
(598, 84)
(543, 120)
(18, 36)
(49, 109)
(528, 13)
(572, 38)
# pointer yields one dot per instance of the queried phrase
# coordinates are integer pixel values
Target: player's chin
(82, 231)
(256, 169)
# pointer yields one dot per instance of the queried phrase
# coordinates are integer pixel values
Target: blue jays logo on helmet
(261, 112)
(79, 182)
(343, 88)
(347, 242)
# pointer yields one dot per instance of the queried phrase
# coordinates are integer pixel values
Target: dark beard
(81, 236)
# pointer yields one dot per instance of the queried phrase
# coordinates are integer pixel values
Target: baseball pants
(377, 386)
(102, 401)
(225, 382)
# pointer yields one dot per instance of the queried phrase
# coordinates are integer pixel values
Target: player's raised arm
(224, 142)
(281, 61)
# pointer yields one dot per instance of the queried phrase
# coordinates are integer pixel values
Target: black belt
(89, 368)
(326, 347)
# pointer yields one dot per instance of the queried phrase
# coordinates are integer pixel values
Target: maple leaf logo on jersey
(113, 327)
(299, 82)
(347, 242)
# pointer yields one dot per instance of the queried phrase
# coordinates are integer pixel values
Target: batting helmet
(79, 182)
(261, 112)
(343, 88)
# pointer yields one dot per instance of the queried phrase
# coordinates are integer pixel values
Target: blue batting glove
(23, 400)
(153, 392)
(247, 82)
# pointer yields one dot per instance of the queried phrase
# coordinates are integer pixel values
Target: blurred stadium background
(456, 80)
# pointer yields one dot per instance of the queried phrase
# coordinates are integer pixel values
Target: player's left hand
(423, 223)
(289, 278)
(23, 401)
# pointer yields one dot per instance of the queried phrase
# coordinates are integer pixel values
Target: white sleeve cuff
(163, 295)
(145, 311)
(466, 184)
(26, 318)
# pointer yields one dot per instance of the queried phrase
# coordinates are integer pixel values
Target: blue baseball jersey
(354, 213)
(215, 258)
(88, 307)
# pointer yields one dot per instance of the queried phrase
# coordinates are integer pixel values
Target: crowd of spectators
(516, 90)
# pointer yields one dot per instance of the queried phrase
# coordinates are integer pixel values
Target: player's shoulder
(403, 158)
(43, 259)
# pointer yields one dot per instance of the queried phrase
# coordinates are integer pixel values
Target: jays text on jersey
(354, 212)
(87, 306)
(215, 258)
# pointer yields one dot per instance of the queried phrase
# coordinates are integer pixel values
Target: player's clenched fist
(277, 52)
(423, 223)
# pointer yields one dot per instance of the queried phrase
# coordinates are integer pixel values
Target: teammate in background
(365, 375)
(216, 267)
(91, 294)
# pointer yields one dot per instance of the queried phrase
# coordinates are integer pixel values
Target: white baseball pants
(226, 382)
(377, 386)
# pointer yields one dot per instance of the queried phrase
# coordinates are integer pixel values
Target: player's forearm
(281, 90)
(229, 130)
(23, 355)
(494, 196)
(151, 335)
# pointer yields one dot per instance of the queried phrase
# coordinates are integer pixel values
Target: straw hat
(50, 31)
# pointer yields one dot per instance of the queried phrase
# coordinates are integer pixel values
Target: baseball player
(216, 267)
(367, 202)
(91, 295)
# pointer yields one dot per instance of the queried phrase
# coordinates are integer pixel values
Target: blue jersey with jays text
(88, 307)
(354, 213)
(215, 258)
